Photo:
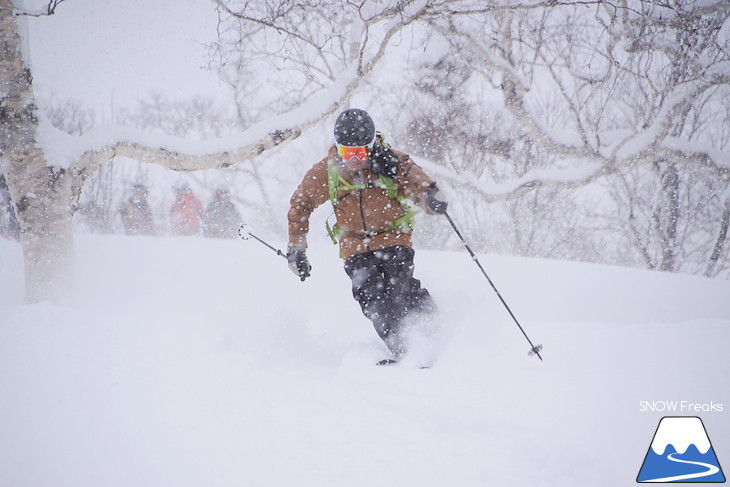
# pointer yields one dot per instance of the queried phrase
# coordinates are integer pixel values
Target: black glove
(298, 262)
(433, 201)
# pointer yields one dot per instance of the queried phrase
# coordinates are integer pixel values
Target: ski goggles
(348, 153)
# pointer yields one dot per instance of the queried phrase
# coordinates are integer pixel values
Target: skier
(368, 183)
(221, 219)
(136, 213)
(186, 211)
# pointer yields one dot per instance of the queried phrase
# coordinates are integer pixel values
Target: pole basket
(535, 351)
(245, 231)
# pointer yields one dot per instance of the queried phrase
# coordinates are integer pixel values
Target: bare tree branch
(49, 10)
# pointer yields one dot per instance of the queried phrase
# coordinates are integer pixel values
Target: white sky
(101, 52)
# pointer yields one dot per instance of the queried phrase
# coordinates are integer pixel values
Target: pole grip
(278, 252)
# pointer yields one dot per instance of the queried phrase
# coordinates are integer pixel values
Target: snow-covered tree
(45, 169)
(41, 192)
(598, 94)
(593, 89)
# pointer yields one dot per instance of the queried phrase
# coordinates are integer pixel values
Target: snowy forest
(583, 148)
(595, 131)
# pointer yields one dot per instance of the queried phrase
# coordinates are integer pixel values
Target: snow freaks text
(680, 407)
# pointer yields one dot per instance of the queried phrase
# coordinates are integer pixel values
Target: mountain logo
(681, 452)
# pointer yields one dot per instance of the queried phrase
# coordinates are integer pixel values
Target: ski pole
(244, 232)
(535, 349)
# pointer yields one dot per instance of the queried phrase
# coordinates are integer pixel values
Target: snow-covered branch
(516, 188)
(514, 88)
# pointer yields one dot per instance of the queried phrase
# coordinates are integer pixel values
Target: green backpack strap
(407, 221)
(333, 175)
(333, 186)
(334, 231)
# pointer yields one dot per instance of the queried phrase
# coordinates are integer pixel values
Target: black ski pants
(384, 286)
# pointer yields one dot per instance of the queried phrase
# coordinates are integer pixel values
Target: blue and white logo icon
(681, 452)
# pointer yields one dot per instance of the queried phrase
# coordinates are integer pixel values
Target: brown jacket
(358, 211)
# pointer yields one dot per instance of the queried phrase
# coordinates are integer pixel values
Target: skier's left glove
(434, 203)
(298, 262)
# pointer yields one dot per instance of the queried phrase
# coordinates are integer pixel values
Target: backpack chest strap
(336, 183)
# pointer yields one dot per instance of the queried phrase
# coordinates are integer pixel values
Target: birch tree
(35, 186)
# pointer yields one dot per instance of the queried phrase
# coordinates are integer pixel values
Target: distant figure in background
(186, 211)
(136, 213)
(222, 218)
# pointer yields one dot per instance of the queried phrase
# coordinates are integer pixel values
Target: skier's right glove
(298, 262)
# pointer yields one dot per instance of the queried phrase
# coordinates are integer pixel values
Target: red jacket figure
(186, 211)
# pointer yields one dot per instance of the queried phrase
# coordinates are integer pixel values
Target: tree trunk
(41, 194)
(721, 238)
(671, 215)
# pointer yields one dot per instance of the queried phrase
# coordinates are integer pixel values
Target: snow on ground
(190, 362)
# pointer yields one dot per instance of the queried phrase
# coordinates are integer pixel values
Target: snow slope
(190, 362)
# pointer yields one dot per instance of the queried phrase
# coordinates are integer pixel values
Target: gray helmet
(354, 128)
